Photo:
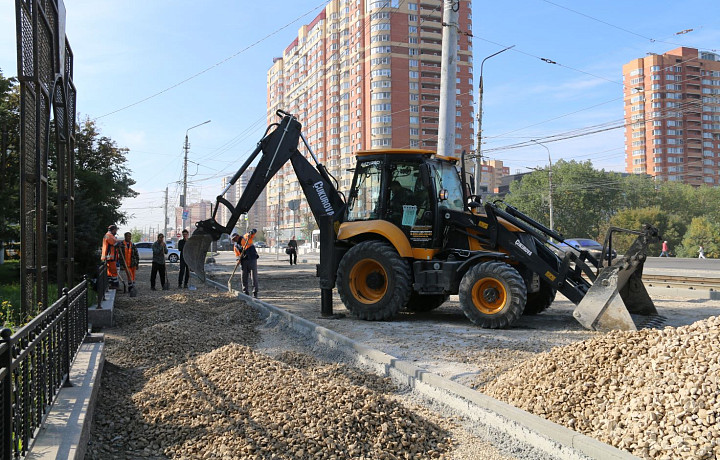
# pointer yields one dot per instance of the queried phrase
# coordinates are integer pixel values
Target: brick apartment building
(365, 75)
(672, 116)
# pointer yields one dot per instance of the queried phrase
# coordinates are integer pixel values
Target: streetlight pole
(550, 200)
(478, 150)
(183, 203)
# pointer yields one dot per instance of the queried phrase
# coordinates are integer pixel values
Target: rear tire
(492, 295)
(421, 303)
(538, 302)
(173, 258)
(374, 282)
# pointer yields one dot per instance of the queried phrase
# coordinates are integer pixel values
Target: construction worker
(109, 255)
(132, 258)
(184, 275)
(247, 255)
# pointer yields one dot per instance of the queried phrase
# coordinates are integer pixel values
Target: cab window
(447, 178)
(364, 202)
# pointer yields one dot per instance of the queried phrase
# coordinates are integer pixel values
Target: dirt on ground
(194, 373)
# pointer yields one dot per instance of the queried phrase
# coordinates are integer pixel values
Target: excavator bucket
(195, 251)
(619, 291)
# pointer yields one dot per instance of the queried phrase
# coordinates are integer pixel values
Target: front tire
(492, 295)
(374, 282)
(538, 302)
(173, 258)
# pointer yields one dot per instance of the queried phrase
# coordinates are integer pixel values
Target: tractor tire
(422, 303)
(538, 302)
(492, 295)
(373, 281)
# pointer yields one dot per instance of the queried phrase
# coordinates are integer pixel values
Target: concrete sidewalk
(66, 430)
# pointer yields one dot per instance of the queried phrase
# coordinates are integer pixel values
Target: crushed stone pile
(239, 403)
(654, 393)
(182, 381)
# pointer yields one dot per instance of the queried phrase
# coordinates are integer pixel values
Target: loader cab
(403, 187)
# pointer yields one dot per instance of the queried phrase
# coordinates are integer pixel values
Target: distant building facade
(257, 216)
(672, 116)
(365, 75)
(492, 175)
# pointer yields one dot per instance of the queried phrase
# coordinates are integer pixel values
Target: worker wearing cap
(132, 258)
(247, 254)
(109, 255)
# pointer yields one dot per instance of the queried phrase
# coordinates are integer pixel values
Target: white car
(145, 252)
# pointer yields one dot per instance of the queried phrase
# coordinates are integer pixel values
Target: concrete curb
(66, 430)
(542, 434)
(684, 293)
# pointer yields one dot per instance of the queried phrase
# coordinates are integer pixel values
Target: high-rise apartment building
(493, 172)
(366, 75)
(672, 116)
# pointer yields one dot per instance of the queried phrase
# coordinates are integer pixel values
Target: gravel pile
(654, 393)
(238, 403)
(182, 381)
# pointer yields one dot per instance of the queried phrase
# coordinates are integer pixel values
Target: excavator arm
(278, 146)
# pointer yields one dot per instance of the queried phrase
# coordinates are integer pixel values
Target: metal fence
(35, 364)
(101, 283)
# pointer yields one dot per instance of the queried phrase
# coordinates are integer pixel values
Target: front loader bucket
(618, 292)
(195, 251)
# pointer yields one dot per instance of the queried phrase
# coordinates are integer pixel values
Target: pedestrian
(292, 250)
(247, 255)
(130, 255)
(184, 275)
(159, 250)
(664, 252)
(109, 255)
(701, 253)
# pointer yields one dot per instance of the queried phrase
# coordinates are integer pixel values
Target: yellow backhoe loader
(409, 234)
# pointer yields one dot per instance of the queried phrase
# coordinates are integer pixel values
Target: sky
(147, 71)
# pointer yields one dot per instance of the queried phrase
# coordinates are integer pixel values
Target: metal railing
(35, 363)
(101, 283)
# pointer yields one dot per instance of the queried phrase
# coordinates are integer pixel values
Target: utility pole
(478, 149)
(166, 205)
(550, 199)
(448, 74)
(183, 199)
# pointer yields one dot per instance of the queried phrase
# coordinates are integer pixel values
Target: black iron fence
(35, 363)
(101, 283)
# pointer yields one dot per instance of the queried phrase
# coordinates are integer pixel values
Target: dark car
(591, 246)
(260, 244)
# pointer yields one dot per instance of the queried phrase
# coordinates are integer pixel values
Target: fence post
(67, 338)
(7, 419)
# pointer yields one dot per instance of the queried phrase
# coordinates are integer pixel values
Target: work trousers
(131, 275)
(249, 267)
(157, 268)
(184, 273)
(112, 271)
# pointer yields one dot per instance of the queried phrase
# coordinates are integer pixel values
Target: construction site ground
(162, 339)
(442, 341)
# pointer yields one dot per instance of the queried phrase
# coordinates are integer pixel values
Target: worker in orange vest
(247, 257)
(109, 255)
(132, 258)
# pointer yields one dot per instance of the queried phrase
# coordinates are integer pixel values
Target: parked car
(145, 252)
(591, 246)
(260, 244)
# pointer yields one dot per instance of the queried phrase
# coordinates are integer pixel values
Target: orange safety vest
(108, 249)
(127, 252)
(245, 241)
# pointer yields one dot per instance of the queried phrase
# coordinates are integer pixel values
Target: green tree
(670, 225)
(136, 235)
(701, 232)
(9, 160)
(583, 198)
(102, 182)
